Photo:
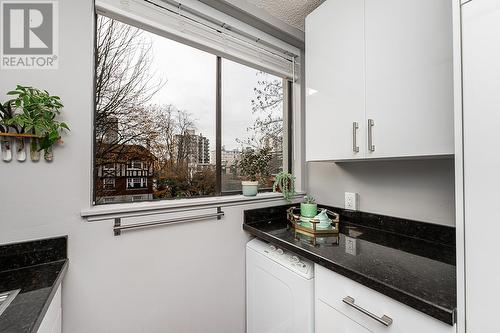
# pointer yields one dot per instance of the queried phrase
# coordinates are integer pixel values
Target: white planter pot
(250, 188)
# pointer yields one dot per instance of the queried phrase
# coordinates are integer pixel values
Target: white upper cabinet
(386, 65)
(335, 80)
(409, 77)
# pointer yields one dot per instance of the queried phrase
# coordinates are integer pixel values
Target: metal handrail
(118, 227)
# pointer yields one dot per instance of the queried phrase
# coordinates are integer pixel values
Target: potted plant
(254, 165)
(285, 183)
(309, 207)
(38, 112)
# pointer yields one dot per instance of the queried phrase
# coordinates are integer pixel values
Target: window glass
(155, 116)
(252, 118)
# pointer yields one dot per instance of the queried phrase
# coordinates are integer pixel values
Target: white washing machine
(280, 290)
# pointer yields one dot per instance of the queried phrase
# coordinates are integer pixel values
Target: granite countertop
(37, 268)
(409, 261)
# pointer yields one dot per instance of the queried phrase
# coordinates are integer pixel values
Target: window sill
(112, 211)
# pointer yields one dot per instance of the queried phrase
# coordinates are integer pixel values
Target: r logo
(29, 29)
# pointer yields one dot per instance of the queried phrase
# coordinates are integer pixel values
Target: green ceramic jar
(250, 188)
(308, 209)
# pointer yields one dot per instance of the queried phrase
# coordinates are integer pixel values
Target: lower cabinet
(52, 321)
(332, 314)
(330, 320)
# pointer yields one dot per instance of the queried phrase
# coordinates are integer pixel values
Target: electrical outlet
(351, 201)
(351, 246)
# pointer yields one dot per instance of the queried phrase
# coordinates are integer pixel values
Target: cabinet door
(329, 320)
(481, 116)
(409, 77)
(331, 288)
(335, 80)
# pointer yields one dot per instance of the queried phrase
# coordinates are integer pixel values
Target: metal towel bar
(118, 227)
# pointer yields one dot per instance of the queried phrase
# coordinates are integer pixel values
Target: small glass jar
(6, 149)
(48, 154)
(34, 150)
(20, 150)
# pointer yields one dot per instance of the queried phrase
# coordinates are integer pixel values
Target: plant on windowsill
(254, 165)
(309, 207)
(285, 184)
(38, 111)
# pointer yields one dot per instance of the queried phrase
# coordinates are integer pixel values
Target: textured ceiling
(292, 12)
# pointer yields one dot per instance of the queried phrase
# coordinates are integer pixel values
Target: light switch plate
(351, 201)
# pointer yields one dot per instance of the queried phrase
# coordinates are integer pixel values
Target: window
(109, 183)
(137, 183)
(136, 165)
(166, 128)
(108, 200)
(138, 198)
(252, 118)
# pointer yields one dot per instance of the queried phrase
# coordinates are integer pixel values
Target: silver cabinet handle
(371, 146)
(355, 147)
(384, 320)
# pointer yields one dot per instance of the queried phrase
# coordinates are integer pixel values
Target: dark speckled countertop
(409, 261)
(37, 268)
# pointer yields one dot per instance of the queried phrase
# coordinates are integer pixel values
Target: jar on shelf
(6, 149)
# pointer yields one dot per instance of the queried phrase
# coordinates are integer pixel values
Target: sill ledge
(112, 211)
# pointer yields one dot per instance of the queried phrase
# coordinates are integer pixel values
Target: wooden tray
(293, 215)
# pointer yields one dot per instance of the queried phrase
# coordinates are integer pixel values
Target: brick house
(124, 173)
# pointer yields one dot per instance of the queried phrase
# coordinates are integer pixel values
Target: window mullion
(288, 135)
(218, 128)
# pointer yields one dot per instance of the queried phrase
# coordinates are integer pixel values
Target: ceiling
(292, 12)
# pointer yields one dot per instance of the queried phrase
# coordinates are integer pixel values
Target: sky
(190, 75)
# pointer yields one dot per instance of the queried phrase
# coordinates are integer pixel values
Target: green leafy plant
(6, 114)
(308, 199)
(254, 164)
(38, 114)
(285, 183)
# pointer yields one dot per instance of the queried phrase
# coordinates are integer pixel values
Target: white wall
(45, 199)
(420, 190)
(182, 278)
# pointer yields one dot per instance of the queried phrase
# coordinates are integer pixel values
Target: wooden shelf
(16, 135)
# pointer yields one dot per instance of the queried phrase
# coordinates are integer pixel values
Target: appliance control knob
(302, 267)
(279, 251)
(294, 259)
(272, 248)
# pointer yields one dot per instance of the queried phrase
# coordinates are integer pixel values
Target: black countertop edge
(31, 253)
(53, 291)
(445, 315)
